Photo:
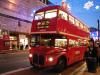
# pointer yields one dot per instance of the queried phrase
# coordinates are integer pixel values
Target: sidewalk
(85, 72)
(82, 70)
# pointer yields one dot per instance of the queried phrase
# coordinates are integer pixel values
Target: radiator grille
(38, 59)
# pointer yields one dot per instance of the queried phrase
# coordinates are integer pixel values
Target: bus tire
(61, 65)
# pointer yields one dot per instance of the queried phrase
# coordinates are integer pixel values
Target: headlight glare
(30, 55)
(50, 59)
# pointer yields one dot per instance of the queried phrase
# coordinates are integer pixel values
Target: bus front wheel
(61, 65)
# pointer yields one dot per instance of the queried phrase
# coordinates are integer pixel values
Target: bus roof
(58, 7)
(48, 8)
(61, 8)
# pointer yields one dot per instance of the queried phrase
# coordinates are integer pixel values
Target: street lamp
(98, 29)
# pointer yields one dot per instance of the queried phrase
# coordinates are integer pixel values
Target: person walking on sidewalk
(91, 57)
(98, 53)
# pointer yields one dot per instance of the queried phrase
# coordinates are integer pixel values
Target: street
(13, 61)
(18, 64)
(76, 69)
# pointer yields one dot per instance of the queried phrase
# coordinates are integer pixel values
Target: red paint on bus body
(57, 27)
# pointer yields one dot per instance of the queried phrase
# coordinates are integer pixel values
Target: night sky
(87, 11)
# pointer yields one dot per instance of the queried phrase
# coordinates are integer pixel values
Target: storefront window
(13, 38)
(0, 32)
(6, 43)
(5, 32)
(1, 35)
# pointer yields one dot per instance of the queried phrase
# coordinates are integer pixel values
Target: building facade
(15, 23)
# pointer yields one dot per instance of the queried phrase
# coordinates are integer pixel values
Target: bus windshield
(48, 40)
(47, 14)
(42, 40)
(51, 13)
(39, 15)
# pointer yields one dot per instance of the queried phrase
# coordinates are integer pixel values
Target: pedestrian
(91, 57)
(98, 53)
(26, 47)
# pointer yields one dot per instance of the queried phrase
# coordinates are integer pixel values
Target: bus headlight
(30, 55)
(50, 59)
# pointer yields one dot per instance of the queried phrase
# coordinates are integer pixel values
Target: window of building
(0, 32)
(51, 13)
(71, 19)
(63, 15)
(6, 43)
(13, 38)
(5, 32)
(1, 35)
(39, 15)
(44, 1)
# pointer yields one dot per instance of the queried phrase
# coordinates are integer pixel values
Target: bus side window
(71, 43)
(61, 43)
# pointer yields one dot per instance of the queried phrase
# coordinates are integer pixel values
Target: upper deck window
(77, 23)
(51, 13)
(86, 28)
(63, 15)
(39, 15)
(71, 19)
(81, 25)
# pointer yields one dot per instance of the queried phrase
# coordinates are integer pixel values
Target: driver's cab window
(35, 40)
(61, 43)
(51, 13)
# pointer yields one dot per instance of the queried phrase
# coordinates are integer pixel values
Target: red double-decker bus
(58, 39)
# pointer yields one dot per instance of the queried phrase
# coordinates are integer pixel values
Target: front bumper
(43, 61)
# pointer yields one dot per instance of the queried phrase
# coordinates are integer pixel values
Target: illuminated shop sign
(94, 34)
(4, 34)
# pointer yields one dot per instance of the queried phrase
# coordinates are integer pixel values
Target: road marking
(21, 69)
